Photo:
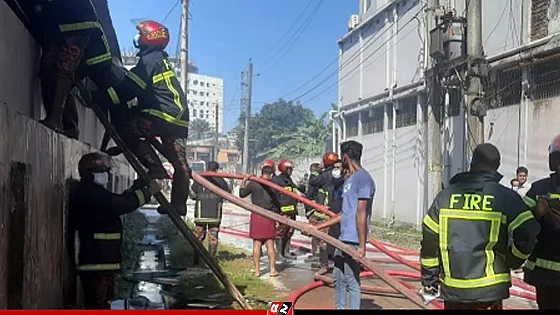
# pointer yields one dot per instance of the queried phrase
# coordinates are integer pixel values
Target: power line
(287, 32)
(294, 38)
(354, 57)
(356, 67)
(171, 10)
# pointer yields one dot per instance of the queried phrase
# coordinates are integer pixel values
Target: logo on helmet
(158, 34)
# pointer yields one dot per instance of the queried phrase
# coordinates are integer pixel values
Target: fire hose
(399, 287)
(324, 280)
(377, 244)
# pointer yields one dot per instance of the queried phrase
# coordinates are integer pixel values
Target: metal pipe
(516, 50)
(312, 232)
(323, 209)
(343, 127)
(331, 118)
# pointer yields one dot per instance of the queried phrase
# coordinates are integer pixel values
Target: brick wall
(539, 20)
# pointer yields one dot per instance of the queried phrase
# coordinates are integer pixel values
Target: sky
(225, 34)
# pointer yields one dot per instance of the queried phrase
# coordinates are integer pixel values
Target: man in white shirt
(523, 185)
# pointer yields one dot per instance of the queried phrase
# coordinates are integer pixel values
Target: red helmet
(284, 165)
(152, 35)
(329, 158)
(269, 163)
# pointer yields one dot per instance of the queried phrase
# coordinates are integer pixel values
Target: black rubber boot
(286, 250)
(278, 247)
(213, 250)
(149, 158)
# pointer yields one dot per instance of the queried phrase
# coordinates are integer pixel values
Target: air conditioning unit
(353, 21)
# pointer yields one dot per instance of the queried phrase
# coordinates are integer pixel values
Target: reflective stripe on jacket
(96, 213)
(288, 204)
(543, 266)
(465, 238)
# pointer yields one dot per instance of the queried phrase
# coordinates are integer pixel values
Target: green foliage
(134, 225)
(199, 128)
(284, 129)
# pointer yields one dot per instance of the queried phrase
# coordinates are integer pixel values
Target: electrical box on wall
(436, 43)
(453, 41)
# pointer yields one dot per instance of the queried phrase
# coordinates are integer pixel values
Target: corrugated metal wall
(35, 168)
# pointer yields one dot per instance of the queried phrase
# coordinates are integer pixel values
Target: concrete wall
(35, 166)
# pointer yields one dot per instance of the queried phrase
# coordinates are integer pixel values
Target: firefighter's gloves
(153, 187)
(429, 294)
(547, 205)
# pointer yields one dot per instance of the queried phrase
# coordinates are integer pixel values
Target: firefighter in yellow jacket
(465, 250)
(96, 214)
(543, 266)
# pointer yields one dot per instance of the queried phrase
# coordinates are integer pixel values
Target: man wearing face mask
(543, 266)
(96, 214)
(288, 207)
(324, 184)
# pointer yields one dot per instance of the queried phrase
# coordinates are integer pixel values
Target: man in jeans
(357, 198)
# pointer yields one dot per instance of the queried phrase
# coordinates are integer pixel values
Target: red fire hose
(513, 291)
(321, 208)
(413, 296)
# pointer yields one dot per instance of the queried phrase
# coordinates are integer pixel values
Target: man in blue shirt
(357, 199)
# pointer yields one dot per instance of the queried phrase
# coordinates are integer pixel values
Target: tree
(199, 128)
(308, 140)
(270, 124)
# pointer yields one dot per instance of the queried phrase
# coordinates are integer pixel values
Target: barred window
(372, 120)
(546, 79)
(406, 115)
(352, 125)
(507, 89)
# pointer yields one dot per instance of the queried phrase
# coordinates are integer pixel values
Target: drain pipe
(333, 131)
(394, 162)
(343, 127)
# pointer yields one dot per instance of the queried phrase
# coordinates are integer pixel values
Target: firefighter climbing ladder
(173, 215)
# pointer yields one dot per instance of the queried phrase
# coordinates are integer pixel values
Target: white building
(205, 94)
(206, 99)
(382, 95)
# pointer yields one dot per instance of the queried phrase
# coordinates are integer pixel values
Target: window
(202, 83)
(207, 94)
(194, 112)
(207, 84)
(195, 92)
(195, 82)
(372, 120)
(200, 114)
(352, 125)
(406, 114)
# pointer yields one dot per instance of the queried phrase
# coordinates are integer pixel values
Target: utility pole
(216, 132)
(475, 102)
(249, 91)
(433, 109)
(184, 44)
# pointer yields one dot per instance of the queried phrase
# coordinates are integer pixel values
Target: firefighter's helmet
(96, 162)
(269, 163)
(285, 165)
(554, 153)
(329, 159)
(151, 34)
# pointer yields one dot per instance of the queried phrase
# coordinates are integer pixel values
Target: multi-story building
(205, 93)
(382, 95)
